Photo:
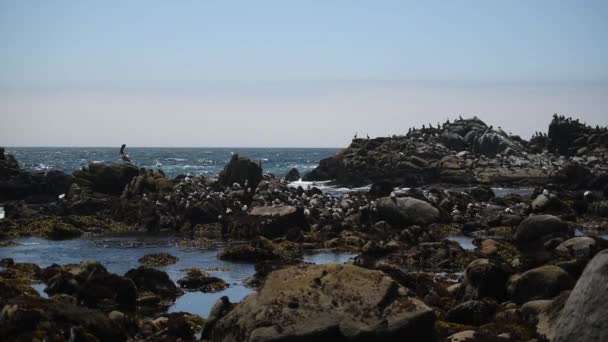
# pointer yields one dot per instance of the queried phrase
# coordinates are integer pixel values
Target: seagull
(546, 192)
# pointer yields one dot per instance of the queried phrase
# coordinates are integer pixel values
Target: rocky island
(535, 213)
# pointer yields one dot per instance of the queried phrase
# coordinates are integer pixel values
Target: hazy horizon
(291, 74)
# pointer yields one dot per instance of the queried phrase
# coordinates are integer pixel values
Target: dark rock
(158, 259)
(381, 189)
(474, 312)
(534, 231)
(155, 281)
(197, 280)
(106, 179)
(484, 278)
(293, 175)
(241, 171)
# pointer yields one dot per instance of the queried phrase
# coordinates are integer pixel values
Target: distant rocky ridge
(467, 151)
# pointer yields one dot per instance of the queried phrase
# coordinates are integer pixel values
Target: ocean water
(173, 161)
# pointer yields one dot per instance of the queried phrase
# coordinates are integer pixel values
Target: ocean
(173, 161)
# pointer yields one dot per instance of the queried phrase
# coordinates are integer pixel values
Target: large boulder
(534, 231)
(241, 171)
(583, 317)
(406, 211)
(327, 302)
(108, 179)
(543, 282)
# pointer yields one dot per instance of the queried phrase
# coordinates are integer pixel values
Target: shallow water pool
(120, 254)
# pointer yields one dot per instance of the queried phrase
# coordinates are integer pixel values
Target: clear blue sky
(53, 51)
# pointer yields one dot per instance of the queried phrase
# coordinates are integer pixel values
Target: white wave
(177, 159)
(325, 187)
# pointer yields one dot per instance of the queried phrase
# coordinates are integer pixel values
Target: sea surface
(173, 161)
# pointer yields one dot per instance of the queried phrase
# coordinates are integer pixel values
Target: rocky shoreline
(536, 273)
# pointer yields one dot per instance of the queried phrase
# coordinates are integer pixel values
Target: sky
(292, 73)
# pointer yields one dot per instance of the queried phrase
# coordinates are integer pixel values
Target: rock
(580, 247)
(534, 231)
(260, 249)
(474, 312)
(381, 189)
(543, 282)
(327, 302)
(406, 211)
(158, 259)
(106, 179)
(293, 175)
(273, 221)
(221, 307)
(62, 231)
(32, 319)
(483, 278)
(197, 280)
(155, 281)
(583, 317)
(92, 285)
(328, 169)
(241, 171)
(453, 141)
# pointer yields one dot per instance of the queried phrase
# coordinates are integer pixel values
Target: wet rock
(474, 312)
(242, 171)
(30, 319)
(261, 249)
(197, 280)
(341, 302)
(158, 259)
(542, 282)
(406, 211)
(293, 175)
(534, 231)
(484, 278)
(583, 315)
(92, 285)
(155, 281)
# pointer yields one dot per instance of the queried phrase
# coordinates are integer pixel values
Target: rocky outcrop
(568, 136)
(106, 179)
(339, 302)
(466, 151)
(18, 184)
(242, 171)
